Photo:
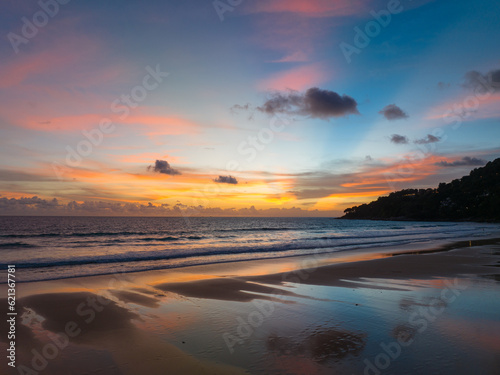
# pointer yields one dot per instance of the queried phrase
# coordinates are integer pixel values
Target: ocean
(46, 248)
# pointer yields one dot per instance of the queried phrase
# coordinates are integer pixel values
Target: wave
(150, 239)
(198, 234)
(384, 235)
(128, 233)
(204, 252)
(95, 234)
(91, 234)
(16, 245)
(263, 229)
(82, 240)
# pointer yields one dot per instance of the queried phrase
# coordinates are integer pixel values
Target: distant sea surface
(44, 248)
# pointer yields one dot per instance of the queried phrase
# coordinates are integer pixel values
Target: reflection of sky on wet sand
(334, 332)
(363, 319)
(116, 332)
(449, 339)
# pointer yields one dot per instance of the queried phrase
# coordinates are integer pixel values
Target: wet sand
(419, 310)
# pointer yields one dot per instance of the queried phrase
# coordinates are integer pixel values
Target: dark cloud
(495, 78)
(477, 81)
(38, 206)
(162, 166)
(237, 107)
(429, 139)
(32, 201)
(466, 161)
(315, 102)
(399, 139)
(393, 112)
(32, 205)
(226, 180)
(443, 85)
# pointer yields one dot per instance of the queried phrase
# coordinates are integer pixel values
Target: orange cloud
(373, 182)
(299, 79)
(280, 199)
(406, 170)
(147, 157)
(195, 187)
(334, 201)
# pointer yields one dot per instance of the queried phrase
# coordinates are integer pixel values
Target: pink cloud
(310, 8)
(150, 125)
(55, 63)
(298, 79)
(54, 88)
(64, 123)
(468, 108)
(16, 72)
(297, 56)
(296, 29)
(289, 33)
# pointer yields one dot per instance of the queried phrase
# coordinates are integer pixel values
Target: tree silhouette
(475, 197)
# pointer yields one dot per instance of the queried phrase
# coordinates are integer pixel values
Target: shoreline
(324, 312)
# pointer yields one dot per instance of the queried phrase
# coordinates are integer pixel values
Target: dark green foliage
(474, 197)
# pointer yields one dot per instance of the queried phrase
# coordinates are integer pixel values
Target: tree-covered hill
(475, 197)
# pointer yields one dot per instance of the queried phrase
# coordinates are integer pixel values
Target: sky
(238, 107)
